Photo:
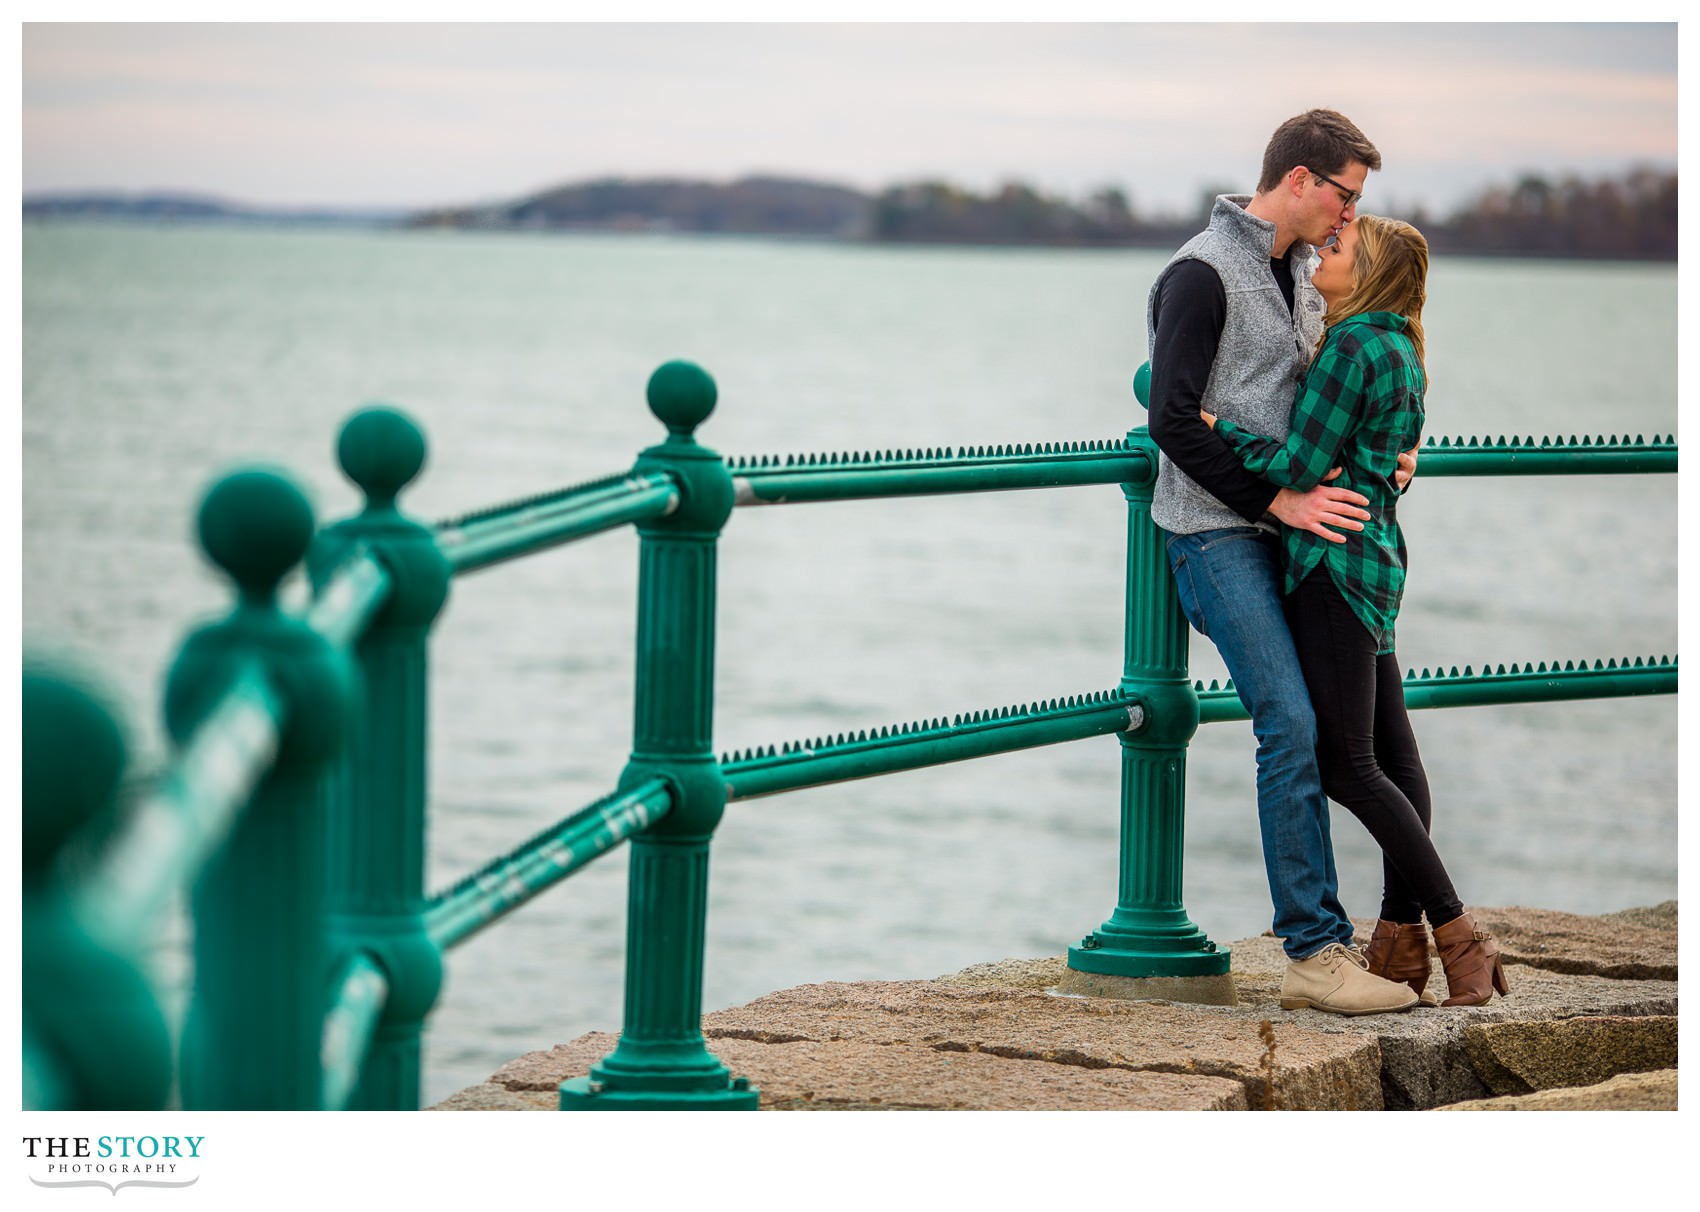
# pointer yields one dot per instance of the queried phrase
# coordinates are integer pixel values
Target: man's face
(1330, 200)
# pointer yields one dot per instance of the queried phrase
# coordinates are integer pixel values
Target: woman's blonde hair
(1389, 273)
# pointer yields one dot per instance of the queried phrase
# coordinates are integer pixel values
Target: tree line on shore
(1632, 216)
(1628, 217)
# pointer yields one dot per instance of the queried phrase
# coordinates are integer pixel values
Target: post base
(586, 1094)
(1157, 958)
(1214, 990)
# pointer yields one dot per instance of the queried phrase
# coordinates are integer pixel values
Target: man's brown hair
(1322, 140)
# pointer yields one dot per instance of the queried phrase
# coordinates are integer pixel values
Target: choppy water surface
(156, 358)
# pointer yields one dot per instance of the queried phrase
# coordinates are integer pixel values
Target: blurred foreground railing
(294, 811)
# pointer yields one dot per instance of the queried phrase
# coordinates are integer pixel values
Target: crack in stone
(1082, 1060)
(520, 1085)
(1626, 971)
(833, 1104)
(1253, 1083)
(755, 1036)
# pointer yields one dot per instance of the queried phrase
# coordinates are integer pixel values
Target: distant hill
(191, 208)
(776, 206)
(937, 212)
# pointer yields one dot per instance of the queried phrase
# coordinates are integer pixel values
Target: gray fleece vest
(1264, 349)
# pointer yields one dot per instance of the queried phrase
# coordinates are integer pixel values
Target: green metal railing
(294, 810)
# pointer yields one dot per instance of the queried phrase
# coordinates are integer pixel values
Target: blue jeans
(1230, 584)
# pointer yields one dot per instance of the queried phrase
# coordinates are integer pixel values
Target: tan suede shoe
(1337, 979)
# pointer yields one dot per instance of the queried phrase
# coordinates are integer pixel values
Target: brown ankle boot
(1399, 952)
(1471, 960)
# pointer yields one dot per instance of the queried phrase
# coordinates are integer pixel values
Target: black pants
(1366, 749)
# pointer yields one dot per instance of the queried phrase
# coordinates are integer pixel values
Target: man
(1233, 321)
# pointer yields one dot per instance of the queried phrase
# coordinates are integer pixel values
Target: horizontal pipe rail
(1515, 684)
(357, 1003)
(535, 505)
(182, 821)
(1549, 456)
(506, 883)
(766, 480)
(344, 607)
(912, 746)
(508, 532)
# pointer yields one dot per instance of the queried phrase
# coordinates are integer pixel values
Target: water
(156, 358)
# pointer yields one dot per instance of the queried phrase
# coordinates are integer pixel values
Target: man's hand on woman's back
(1320, 508)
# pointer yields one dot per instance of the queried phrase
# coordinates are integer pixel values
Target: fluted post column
(662, 1061)
(1150, 935)
(377, 798)
(252, 1041)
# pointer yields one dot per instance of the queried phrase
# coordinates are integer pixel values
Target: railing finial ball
(255, 525)
(381, 449)
(1142, 384)
(681, 395)
(73, 755)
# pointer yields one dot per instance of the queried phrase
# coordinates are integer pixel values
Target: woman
(1359, 404)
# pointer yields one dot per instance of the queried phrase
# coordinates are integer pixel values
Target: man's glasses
(1350, 196)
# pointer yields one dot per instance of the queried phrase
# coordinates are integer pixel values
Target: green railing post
(377, 796)
(253, 1036)
(662, 1061)
(94, 1035)
(1149, 935)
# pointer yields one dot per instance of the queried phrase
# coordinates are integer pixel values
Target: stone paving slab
(492, 1096)
(839, 1075)
(1626, 1092)
(1520, 1058)
(1311, 1070)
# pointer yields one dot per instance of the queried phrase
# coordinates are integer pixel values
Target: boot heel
(1470, 957)
(1295, 1003)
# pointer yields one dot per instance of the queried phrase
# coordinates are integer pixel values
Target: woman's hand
(1406, 469)
(1209, 418)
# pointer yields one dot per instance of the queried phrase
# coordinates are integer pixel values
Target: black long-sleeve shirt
(1189, 314)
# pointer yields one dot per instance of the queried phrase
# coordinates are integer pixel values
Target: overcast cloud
(422, 115)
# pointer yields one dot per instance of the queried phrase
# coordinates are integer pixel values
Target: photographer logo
(113, 1162)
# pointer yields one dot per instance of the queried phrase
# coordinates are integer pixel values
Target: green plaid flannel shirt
(1359, 404)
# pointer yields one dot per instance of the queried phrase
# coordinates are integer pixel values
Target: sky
(414, 116)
